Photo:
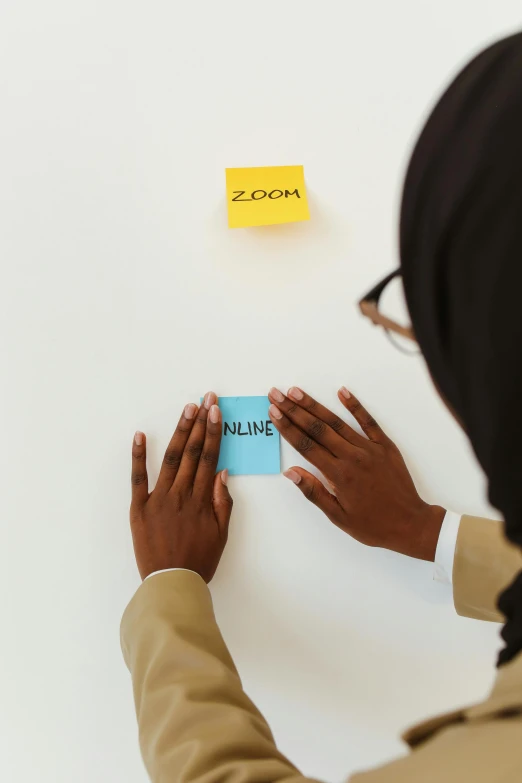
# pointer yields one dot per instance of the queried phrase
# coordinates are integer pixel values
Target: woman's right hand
(373, 497)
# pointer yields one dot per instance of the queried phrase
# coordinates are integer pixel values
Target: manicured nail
(138, 438)
(275, 412)
(276, 395)
(224, 476)
(214, 414)
(293, 476)
(210, 400)
(344, 391)
(190, 410)
(295, 393)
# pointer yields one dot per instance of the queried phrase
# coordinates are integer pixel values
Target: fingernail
(210, 399)
(138, 438)
(214, 414)
(224, 477)
(293, 476)
(275, 412)
(295, 393)
(190, 410)
(276, 394)
(344, 391)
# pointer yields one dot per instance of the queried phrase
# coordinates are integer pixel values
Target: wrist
(426, 531)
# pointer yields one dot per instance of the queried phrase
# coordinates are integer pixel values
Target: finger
(139, 479)
(174, 453)
(222, 501)
(368, 424)
(205, 474)
(337, 424)
(194, 446)
(318, 422)
(315, 491)
(303, 443)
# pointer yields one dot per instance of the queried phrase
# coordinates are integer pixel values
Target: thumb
(222, 500)
(315, 491)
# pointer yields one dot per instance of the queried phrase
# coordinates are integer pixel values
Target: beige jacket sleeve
(196, 724)
(485, 564)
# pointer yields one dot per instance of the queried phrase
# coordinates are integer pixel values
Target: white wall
(124, 295)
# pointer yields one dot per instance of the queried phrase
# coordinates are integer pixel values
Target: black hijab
(461, 255)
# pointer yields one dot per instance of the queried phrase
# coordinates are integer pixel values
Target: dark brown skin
(184, 522)
(373, 497)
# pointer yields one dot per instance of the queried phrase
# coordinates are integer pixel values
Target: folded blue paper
(250, 442)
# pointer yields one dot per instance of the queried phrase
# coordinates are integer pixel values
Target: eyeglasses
(389, 297)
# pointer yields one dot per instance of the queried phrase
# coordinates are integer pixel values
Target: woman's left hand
(183, 523)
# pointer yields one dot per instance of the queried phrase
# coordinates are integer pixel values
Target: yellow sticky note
(264, 195)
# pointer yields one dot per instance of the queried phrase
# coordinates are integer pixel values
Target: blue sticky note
(250, 442)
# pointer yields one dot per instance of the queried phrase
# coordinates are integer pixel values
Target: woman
(461, 261)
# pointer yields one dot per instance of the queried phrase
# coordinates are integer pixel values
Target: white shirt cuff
(446, 545)
(164, 571)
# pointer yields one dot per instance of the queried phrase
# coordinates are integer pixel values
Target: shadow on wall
(294, 250)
